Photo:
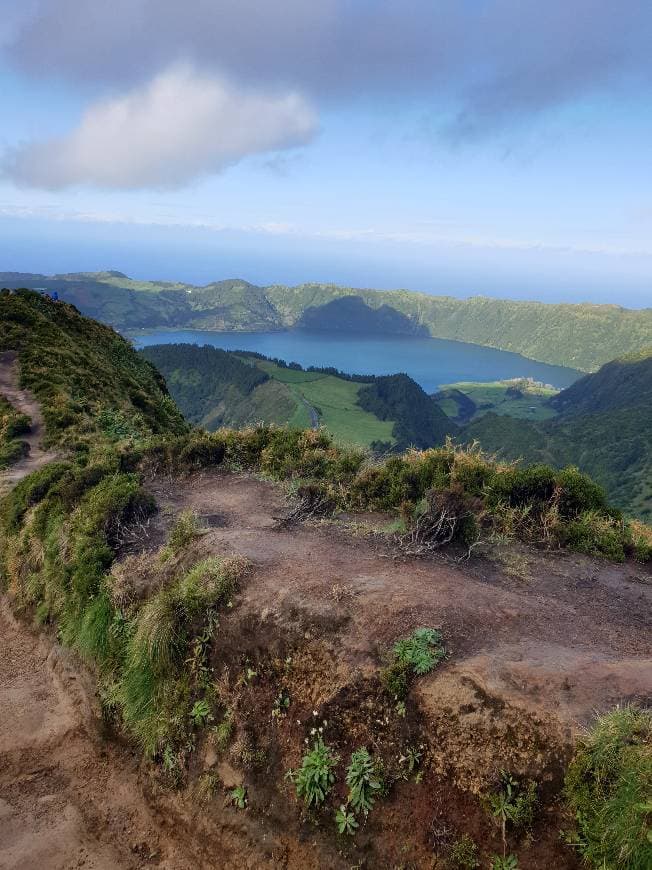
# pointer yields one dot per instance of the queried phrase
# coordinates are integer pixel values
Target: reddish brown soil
(574, 638)
(67, 797)
(530, 661)
(24, 402)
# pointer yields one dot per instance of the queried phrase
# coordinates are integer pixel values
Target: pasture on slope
(335, 401)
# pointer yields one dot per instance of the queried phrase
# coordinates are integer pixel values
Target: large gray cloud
(491, 55)
(475, 64)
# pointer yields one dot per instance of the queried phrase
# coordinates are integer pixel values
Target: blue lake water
(432, 362)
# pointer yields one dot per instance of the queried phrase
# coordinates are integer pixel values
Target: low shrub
(463, 854)
(609, 790)
(596, 535)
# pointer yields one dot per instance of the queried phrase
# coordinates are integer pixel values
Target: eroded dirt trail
(24, 402)
(574, 637)
(68, 798)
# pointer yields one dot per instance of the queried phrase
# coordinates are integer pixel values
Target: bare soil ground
(26, 404)
(572, 637)
(536, 646)
(68, 798)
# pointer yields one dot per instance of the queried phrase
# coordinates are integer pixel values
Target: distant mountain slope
(579, 336)
(352, 314)
(90, 382)
(622, 383)
(604, 427)
(215, 388)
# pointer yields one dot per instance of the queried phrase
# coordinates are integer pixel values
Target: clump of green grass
(158, 679)
(314, 779)
(185, 530)
(463, 854)
(609, 789)
(13, 424)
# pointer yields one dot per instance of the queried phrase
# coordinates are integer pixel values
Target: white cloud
(178, 127)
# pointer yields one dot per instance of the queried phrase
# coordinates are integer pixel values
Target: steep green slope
(352, 314)
(622, 383)
(579, 336)
(215, 388)
(604, 427)
(90, 382)
(419, 422)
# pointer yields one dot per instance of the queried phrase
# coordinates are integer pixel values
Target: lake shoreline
(432, 362)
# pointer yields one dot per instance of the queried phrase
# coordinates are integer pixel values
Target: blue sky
(451, 147)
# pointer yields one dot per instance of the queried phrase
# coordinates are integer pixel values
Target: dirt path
(68, 798)
(314, 416)
(26, 404)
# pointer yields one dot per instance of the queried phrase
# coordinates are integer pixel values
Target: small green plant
(314, 779)
(281, 704)
(411, 759)
(363, 781)
(508, 862)
(411, 656)
(463, 854)
(223, 732)
(512, 804)
(201, 713)
(345, 821)
(238, 796)
(421, 651)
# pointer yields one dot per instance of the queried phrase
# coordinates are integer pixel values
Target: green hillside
(578, 336)
(91, 384)
(419, 421)
(604, 426)
(518, 397)
(216, 388)
(13, 424)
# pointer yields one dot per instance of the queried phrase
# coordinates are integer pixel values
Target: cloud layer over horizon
(177, 89)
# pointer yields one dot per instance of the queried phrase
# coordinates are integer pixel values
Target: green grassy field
(335, 400)
(494, 396)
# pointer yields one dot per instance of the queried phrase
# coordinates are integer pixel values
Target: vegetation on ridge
(603, 425)
(13, 424)
(91, 385)
(582, 336)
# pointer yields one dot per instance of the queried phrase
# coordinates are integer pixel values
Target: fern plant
(363, 781)
(422, 650)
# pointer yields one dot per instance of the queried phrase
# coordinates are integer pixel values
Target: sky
(496, 147)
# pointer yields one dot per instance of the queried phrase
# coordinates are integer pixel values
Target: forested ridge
(581, 336)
